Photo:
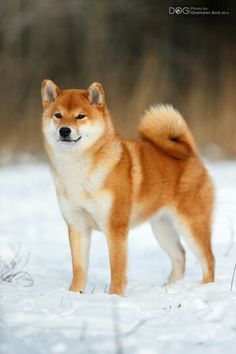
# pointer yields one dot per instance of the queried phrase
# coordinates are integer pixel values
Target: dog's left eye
(81, 116)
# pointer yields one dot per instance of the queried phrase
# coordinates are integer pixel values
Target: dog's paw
(76, 288)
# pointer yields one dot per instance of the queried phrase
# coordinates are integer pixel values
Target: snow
(45, 318)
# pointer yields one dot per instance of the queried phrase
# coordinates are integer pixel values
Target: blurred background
(140, 52)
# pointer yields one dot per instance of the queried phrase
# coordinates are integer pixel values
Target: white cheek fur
(89, 134)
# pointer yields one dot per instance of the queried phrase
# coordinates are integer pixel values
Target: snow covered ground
(46, 318)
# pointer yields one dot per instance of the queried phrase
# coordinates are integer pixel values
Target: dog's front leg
(117, 244)
(80, 245)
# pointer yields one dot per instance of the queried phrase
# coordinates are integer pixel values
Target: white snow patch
(46, 318)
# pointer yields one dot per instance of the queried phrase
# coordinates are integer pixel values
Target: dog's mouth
(68, 140)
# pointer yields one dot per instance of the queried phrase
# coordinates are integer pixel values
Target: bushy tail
(165, 127)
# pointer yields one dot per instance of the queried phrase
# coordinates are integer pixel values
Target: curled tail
(165, 128)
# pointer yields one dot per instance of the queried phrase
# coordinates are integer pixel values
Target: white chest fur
(83, 200)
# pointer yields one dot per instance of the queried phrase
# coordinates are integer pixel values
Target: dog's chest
(82, 197)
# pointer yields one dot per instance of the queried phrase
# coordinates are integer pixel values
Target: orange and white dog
(109, 183)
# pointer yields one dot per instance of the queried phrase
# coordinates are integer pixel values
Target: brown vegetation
(140, 53)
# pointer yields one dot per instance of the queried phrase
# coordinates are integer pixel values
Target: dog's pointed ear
(49, 92)
(96, 94)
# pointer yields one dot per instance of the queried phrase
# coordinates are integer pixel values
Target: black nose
(65, 132)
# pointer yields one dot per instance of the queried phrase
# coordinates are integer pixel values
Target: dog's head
(73, 118)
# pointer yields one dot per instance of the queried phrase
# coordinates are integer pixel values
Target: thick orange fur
(110, 183)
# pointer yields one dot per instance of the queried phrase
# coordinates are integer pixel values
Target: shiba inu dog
(109, 183)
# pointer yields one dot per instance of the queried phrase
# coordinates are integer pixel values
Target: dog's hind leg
(197, 233)
(168, 238)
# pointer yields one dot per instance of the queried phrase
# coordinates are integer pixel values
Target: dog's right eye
(58, 115)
